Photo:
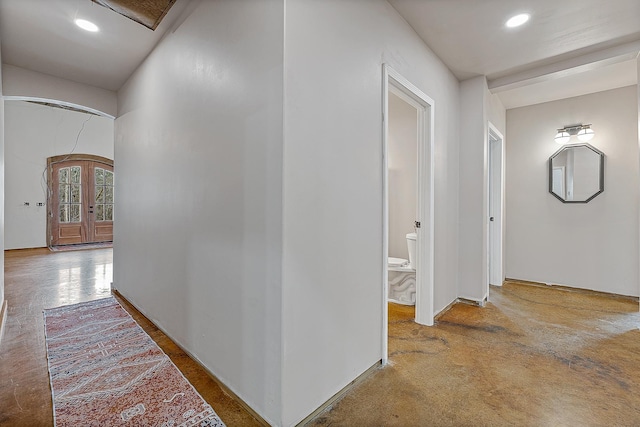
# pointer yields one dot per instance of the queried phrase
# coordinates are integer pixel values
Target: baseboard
(339, 395)
(460, 301)
(3, 318)
(469, 301)
(444, 310)
(224, 388)
(572, 289)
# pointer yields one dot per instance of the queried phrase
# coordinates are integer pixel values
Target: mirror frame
(564, 147)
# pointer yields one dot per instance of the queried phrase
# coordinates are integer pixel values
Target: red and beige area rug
(106, 371)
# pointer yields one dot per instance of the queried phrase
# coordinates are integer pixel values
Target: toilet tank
(411, 246)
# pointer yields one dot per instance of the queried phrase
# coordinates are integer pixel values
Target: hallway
(36, 279)
(534, 356)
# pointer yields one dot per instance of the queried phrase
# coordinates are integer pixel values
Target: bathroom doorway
(401, 92)
(495, 205)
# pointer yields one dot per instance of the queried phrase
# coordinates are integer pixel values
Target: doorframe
(495, 266)
(59, 159)
(392, 80)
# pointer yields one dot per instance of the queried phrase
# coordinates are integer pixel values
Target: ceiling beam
(563, 68)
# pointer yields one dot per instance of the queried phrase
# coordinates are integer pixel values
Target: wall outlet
(40, 204)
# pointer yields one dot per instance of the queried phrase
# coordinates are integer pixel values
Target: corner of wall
(472, 195)
(638, 112)
(1, 186)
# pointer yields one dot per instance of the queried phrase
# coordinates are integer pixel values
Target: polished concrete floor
(534, 356)
(38, 279)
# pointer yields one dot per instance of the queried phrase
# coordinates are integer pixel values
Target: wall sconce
(584, 133)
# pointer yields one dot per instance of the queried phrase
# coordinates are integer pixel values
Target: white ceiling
(470, 36)
(40, 35)
(568, 48)
(564, 48)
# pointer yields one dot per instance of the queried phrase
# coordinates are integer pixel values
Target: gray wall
(478, 108)
(333, 166)
(1, 190)
(593, 245)
(198, 153)
(403, 174)
(237, 165)
(27, 148)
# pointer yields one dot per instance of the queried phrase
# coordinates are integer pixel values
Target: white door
(495, 205)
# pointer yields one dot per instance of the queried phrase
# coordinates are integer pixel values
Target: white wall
(478, 108)
(403, 174)
(199, 193)
(199, 142)
(20, 83)
(593, 245)
(638, 105)
(32, 134)
(2, 181)
(332, 266)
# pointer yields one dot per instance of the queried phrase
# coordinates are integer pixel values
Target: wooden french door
(81, 199)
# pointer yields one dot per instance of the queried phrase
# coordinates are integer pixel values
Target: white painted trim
(385, 218)
(55, 101)
(497, 256)
(394, 81)
(638, 96)
(3, 318)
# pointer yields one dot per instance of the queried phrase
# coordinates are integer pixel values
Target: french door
(80, 208)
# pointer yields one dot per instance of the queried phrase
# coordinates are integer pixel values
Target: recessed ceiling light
(86, 25)
(516, 21)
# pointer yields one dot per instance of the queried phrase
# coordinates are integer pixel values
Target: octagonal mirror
(576, 173)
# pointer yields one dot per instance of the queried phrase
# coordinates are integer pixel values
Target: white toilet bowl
(402, 275)
(411, 246)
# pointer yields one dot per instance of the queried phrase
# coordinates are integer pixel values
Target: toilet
(402, 275)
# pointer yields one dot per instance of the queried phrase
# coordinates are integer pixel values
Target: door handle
(491, 219)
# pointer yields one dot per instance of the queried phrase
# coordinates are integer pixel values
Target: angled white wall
(1, 190)
(257, 245)
(199, 193)
(32, 134)
(332, 266)
(593, 245)
(478, 108)
(638, 96)
(20, 83)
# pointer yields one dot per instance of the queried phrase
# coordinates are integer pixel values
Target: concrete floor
(36, 279)
(534, 356)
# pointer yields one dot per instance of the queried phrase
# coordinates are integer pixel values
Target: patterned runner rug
(106, 371)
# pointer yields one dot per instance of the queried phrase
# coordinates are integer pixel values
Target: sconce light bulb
(562, 137)
(586, 134)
